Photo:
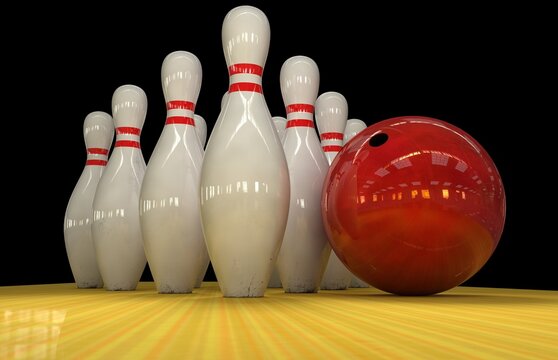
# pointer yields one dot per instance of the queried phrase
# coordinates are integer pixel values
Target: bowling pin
(331, 118)
(98, 131)
(169, 198)
(244, 178)
(280, 125)
(305, 249)
(353, 127)
(201, 129)
(116, 228)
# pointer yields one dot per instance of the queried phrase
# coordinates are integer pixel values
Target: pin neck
(300, 115)
(180, 112)
(308, 108)
(96, 157)
(332, 141)
(181, 104)
(300, 123)
(97, 151)
(332, 148)
(245, 77)
(128, 130)
(127, 136)
(182, 120)
(331, 136)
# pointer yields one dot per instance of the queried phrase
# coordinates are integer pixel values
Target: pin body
(244, 179)
(98, 131)
(116, 227)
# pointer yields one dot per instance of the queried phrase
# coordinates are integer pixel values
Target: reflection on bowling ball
(413, 206)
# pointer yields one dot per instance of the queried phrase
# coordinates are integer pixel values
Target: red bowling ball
(413, 205)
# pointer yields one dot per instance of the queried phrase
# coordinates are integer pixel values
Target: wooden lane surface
(60, 321)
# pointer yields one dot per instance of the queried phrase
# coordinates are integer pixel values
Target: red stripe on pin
(300, 122)
(180, 120)
(127, 143)
(96, 162)
(332, 136)
(180, 104)
(245, 68)
(332, 148)
(300, 108)
(245, 86)
(97, 151)
(127, 130)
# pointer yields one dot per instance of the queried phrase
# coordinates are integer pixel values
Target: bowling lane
(60, 321)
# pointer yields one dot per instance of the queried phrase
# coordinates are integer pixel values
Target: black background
(451, 64)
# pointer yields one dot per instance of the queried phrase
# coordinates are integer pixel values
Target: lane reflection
(30, 333)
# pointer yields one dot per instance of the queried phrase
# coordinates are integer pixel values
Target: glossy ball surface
(413, 205)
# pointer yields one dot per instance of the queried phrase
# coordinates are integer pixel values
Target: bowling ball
(413, 205)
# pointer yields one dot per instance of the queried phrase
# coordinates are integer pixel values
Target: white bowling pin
(280, 125)
(201, 129)
(98, 131)
(169, 198)
(305, 249)
(116, 227)
(353, 127)
(331, 118)
(245, 180)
